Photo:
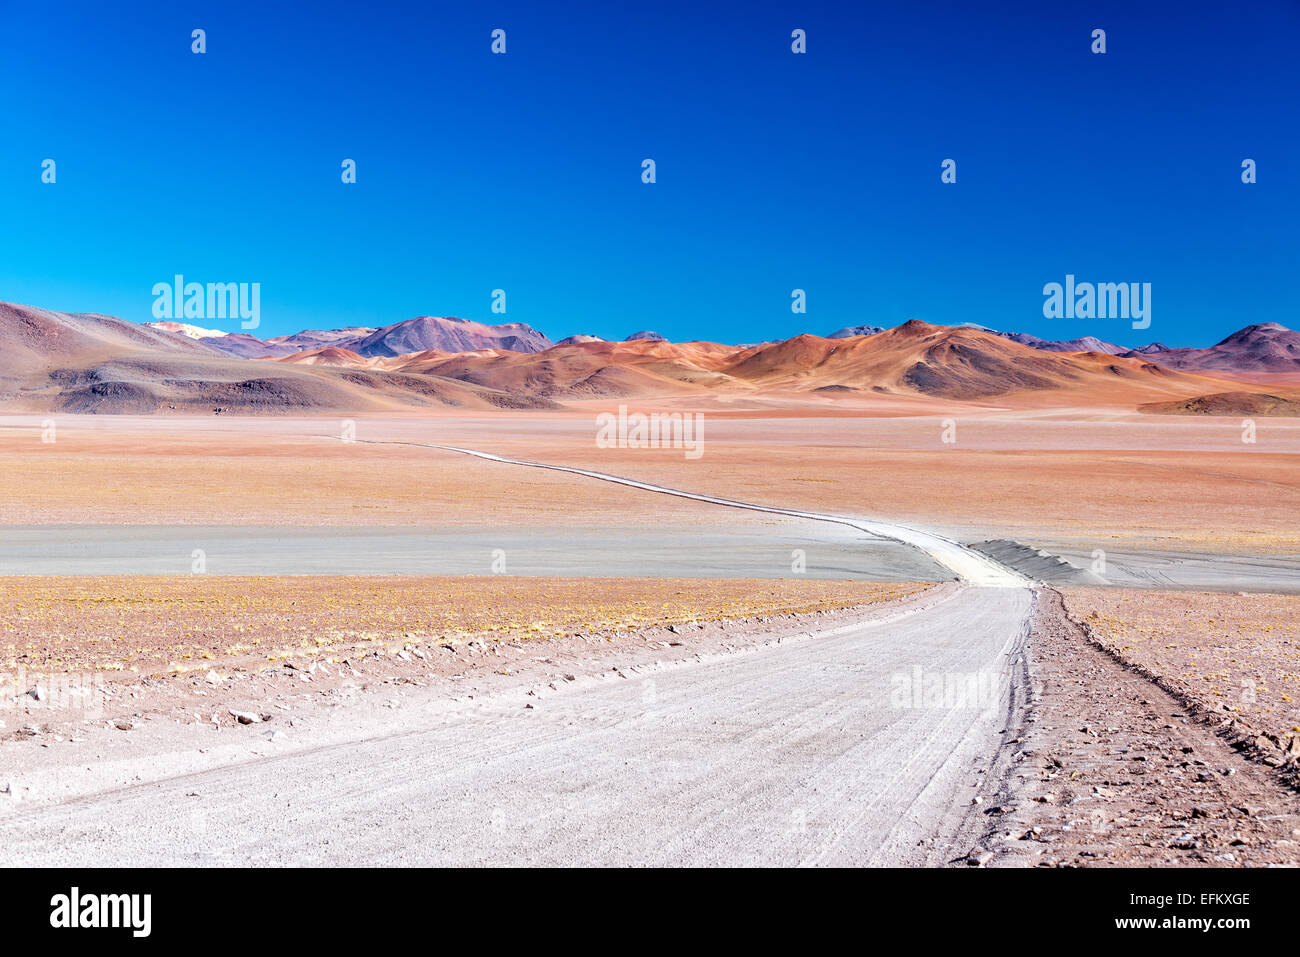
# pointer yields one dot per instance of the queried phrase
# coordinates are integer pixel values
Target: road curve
(865, 745)
(966, 563)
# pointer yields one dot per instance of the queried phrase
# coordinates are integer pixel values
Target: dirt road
(865, 745)
(825, 751)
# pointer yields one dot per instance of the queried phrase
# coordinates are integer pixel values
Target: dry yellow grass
(151, 624)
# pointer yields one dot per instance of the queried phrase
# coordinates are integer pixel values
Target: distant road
(827, 751)
(965, 563)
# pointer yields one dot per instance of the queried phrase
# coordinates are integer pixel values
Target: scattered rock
(978, 857)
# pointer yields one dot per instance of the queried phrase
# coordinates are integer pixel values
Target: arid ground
(178, 624)
(1085, 478)
(200, 647)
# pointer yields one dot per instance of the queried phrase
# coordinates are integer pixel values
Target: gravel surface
(1110, 770)
(798, 752)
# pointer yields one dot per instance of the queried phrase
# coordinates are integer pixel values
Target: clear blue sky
(775, 171)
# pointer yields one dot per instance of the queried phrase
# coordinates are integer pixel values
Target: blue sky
(775, 171)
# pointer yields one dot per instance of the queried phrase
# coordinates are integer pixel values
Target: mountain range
(1265, 347)
(445, 333)
(52, 361)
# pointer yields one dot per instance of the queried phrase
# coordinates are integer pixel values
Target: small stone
(245, 717)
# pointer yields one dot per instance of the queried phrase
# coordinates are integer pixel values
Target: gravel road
(799, 753)
(863, 745)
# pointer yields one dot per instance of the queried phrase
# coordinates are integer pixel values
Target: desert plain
(201, 594)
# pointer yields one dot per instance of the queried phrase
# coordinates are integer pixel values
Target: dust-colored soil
(257, 475)
(1236, 656)
(178, 624)
(1112, 770)
(1226, 403)
(1080, 478)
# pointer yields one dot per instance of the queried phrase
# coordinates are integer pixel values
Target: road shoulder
(1111, 770)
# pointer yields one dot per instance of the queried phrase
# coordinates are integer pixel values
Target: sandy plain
(1077, 478)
